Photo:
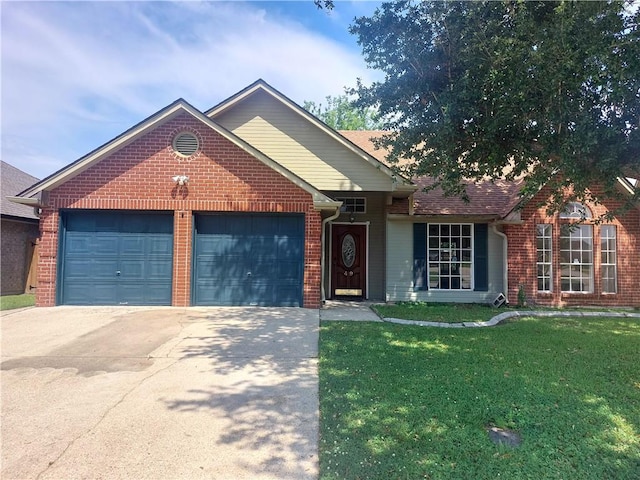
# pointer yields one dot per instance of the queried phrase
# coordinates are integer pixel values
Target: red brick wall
(522, 259)
(222, 177)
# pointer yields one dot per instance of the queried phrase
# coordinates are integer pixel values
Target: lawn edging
(506, 315)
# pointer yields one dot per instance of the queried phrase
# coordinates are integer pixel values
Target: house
(257, 202)
(18, 234)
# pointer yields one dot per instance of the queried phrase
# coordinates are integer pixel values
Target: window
(353, 204)
(450, 255)
(576, 258)
(575, 210)
(608, 270)
(543, 246)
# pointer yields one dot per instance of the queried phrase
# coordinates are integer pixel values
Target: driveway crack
(104, 415)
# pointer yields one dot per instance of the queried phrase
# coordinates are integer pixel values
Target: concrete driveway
(159, 393)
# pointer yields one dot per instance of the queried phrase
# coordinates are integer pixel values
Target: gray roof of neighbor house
(490, 198)
(14, 181)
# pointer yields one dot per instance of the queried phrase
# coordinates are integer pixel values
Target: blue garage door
(248, 259)
(116, 258)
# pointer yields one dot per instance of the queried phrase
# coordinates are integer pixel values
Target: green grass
(9, 302)
(438, 312)
(408, 402)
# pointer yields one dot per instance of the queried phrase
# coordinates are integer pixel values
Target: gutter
(505, 262)
(323, 255)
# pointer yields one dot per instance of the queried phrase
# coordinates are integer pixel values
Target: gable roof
(178, 107)
(14, 180)
(400, 183)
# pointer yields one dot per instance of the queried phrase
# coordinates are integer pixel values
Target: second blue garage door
(248, 259)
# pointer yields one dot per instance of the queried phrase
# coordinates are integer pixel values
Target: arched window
(576, 210)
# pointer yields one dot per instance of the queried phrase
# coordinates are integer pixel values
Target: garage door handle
(248, 274)
(118, 272)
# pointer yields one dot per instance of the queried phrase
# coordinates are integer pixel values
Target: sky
(74, 75)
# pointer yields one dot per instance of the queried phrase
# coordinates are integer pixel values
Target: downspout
(323, 255)
(505, 262)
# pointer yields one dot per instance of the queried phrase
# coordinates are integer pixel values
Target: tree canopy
(545, 91)
(341, 114)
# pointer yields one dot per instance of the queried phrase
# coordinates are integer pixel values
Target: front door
(349, 261)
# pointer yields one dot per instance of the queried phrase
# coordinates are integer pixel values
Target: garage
(248, 259)
(116, 258)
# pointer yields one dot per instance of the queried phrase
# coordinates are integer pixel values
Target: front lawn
(9, 302)
(412, 402)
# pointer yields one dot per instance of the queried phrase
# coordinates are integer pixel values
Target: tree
(341, 114)
(545, 91)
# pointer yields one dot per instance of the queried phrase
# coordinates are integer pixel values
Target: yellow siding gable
(291, 140)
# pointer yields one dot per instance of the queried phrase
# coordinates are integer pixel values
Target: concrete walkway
(159, 393)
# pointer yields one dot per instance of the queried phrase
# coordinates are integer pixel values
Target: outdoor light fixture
(181, 180)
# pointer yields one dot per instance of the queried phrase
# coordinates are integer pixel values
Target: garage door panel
(242, 259)
(112, 258)
(92, 293)
(160, 244)
(132, 245)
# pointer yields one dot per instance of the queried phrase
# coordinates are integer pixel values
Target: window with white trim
(353, 204)
(544, 259)
(608, 269)
(450, 256)
(576, 258)
(576, 210)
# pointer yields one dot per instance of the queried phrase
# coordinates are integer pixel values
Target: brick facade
(522, 258)
(222, 178)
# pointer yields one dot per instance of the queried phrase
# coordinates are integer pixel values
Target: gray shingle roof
(14, 181)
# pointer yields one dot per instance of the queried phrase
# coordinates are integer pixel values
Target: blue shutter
(420, 256)
(480, 257)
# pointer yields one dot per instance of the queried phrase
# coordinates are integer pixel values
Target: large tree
(341, 114)
(546, 91)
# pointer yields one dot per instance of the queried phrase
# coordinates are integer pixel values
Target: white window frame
(450, 257)
(544, 234)
(573, 269)
(608, 257)
(353, 204)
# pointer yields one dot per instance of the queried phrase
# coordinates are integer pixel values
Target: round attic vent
(185, 144)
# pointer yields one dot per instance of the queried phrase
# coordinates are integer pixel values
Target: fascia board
(398, 184)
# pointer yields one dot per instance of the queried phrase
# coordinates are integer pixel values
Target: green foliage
(9, 302)
(341, 114)
(414, 402)
(546, 91)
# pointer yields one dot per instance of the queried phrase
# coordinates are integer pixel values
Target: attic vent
(185, 144)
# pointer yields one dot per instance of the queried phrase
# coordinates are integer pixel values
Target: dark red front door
(349, 261)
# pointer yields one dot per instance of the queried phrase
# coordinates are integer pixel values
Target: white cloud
(75, 75)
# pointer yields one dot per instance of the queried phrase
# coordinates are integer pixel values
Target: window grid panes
(575, 210)
(576, 258)
(544, 261)
(608, 269)
(450, 253)
(353, 204)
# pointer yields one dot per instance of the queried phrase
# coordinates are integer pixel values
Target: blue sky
(77, 74)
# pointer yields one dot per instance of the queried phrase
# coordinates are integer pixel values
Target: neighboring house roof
(15, 180)
(178, 107)
(396, 181)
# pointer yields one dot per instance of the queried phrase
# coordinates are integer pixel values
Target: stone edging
(506, 315)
